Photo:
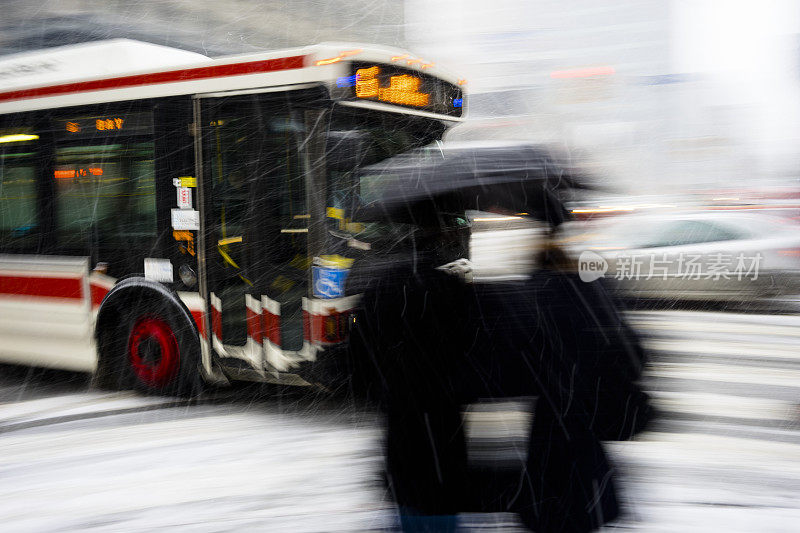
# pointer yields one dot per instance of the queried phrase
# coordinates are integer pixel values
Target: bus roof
(110, 58)
(122, 69)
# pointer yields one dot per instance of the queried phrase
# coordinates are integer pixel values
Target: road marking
(789, 330)
(724, 405)
(711, 450)
(76, 404)
(729, 349)
(706, 319)
(724, 373)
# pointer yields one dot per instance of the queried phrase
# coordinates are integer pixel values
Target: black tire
(154, 349)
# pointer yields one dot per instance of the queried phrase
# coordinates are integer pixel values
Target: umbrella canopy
(417, 185)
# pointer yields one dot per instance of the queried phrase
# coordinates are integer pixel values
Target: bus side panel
(46, 312)
(85, 189)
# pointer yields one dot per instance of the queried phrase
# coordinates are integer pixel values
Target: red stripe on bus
(272, 328)
(216, 322)
(254, 325)
(307, 326)
(317, 323)
(198, 73)
(69, 288)
(327, 329)
(198, 319)
(98, 293)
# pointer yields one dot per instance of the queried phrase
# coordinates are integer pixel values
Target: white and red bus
(161, 211)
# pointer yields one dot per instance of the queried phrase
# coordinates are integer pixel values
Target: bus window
(19, 226)
(105, 198)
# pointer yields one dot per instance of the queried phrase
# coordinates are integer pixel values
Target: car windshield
(630, 232)
(653, 232)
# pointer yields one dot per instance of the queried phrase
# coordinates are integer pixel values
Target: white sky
(751, 50)
(715, 35)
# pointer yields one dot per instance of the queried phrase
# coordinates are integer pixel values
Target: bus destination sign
(399, 86)
(123, 124)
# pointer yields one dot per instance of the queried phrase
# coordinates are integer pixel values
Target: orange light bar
(604, 210)
(583, 72)
(462, 81)
(328, 61)
(338, 58)
(428, 65)
(397, 58)
(353, 52)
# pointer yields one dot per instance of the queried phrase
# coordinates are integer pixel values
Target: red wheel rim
(153, 351)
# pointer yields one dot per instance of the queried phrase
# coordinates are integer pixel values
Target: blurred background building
(656, 96)
(660, 96)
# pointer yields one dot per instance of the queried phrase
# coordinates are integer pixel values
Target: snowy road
(725, 456)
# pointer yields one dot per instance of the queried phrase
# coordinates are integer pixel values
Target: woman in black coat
(560, 339)
(404, 332)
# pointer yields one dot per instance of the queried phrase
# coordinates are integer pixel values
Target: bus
(169, 220)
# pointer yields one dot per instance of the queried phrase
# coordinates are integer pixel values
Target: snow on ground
(723, 457)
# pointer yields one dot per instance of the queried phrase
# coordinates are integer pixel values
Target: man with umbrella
(437, 343)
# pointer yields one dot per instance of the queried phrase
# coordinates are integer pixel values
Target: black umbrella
(417, 185)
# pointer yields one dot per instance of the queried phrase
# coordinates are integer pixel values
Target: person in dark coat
(409, 312)
(560, 339)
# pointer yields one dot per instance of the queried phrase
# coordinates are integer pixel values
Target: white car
(716, 255)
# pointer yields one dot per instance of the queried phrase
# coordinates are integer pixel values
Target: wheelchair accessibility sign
(328, 282)
(328, 275)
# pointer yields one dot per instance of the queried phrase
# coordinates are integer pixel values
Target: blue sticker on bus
(346, 81)
(328, 282)
(457, 102)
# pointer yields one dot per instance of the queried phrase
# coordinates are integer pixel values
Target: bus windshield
(358, 140)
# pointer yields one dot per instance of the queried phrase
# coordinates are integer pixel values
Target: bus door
(257, 224)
